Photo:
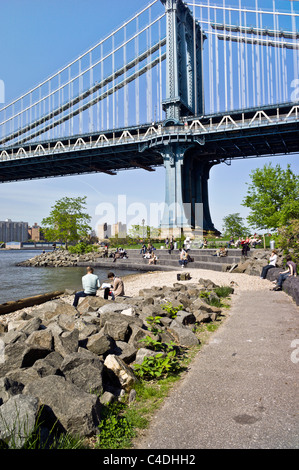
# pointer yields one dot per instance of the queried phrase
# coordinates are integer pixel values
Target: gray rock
(51, 309)
(32, 353)
(41, 338)
(118, 330)
(99, 343)
(77, 411)
(118, 317)
(66, 342)
(9, 388)
(91, 304)
(31, 325)
(89, 379)
(112, 307)
(13, 357)
(125, 351)
(17, 420)
(50, 365)
(185, 318)
(13, 336)
(139, 334)
(107, 398)
(82, 357)
(185, 337)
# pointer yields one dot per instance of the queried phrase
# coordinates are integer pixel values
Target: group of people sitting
(148, 252)
(291, 270)
(91, 283)
(222, 251)
(250, 241)
(185, 258)
(120, 253)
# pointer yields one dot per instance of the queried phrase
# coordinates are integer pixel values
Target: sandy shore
(135, 282)
(243, 282)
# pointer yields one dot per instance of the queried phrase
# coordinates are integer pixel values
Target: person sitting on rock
(90, 283)
(117, 288)
(272, 264)
(290, 271)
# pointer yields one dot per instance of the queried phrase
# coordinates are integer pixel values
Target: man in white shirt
(90, 283)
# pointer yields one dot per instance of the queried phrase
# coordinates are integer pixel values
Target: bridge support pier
(186, 190)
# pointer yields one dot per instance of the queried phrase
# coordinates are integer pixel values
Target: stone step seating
(203, 259)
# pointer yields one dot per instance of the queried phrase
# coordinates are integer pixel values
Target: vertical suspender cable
(160, 75)
(262, 62)
(125, 76)
(230, 64)
(217, 67)
(137, 117)
(258, 78)
(113, 81)
(268, 70)
(275, 53)
(295, 51)
(246, 65)
(239, 59)
(211, 65)
(194, 64)
(91, 109)
(225, 64)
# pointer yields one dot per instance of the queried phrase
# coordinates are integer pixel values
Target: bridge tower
(187, 167)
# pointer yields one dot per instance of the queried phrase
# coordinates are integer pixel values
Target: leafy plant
(158, 366)
(223, 291)
(171, 310)
(116, 431)
(153, 322)
(81, 248)
(151, 343)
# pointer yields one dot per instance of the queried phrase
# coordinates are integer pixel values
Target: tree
(272, 197)
(287, 238)
(233, 225)
(67, 222)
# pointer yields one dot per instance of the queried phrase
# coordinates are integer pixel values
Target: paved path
(241, 391)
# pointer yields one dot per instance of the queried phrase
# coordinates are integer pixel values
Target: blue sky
(40, 36)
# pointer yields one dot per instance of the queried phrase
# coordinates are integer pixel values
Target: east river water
(17, 282)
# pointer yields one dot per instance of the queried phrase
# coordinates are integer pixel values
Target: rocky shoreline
(61, 258)
(62, 365)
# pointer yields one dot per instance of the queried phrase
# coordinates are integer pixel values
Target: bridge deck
(251, 133)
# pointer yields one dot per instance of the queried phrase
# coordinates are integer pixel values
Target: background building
(34, 233)
(13, 231)
(106, 231)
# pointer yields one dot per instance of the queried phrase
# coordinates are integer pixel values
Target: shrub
(82, 248)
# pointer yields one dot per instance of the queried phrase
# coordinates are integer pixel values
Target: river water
(17, 282)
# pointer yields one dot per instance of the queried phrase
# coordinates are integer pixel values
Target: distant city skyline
(40, 37)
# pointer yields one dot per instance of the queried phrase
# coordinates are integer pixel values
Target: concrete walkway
(241, 391)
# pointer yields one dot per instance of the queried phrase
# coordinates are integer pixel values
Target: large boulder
(17, 420)
(77, 411)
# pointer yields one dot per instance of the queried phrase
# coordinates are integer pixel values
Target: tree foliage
(233, 225)
(272, 197)
(287, 238)
(67, 221)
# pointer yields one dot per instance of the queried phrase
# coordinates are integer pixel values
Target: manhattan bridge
(184, 85)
